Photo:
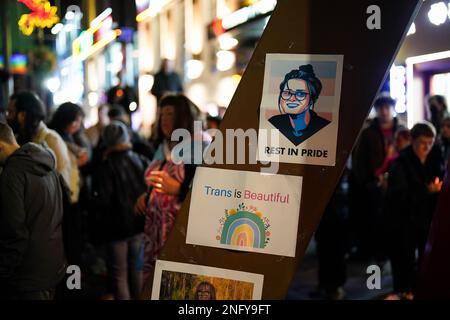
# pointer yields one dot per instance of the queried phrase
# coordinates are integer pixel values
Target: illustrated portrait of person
(205, 291)
(299, 92)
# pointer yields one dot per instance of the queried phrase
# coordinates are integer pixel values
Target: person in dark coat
(117, 184)
(414, 182)
(167, 81)
(140, 145)
(122, 95)
(32, 259)
(433, 282)
(444, 141)
(437, 111)
(375, 145)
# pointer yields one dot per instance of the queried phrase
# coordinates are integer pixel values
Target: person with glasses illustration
(299, 92)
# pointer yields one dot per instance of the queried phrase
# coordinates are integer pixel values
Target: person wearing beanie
(116, 136)
(140, 145)
(299, 92)
(117, 183)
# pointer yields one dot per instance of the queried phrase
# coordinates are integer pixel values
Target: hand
(162, 182)
(390, 151)
(435, 187)
(83, 158)
(141, 205)
(383, 181)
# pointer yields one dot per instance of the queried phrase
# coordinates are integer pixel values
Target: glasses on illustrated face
(300, 95)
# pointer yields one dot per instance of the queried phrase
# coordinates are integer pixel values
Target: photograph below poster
(181, 281)
(300, 100)
(246, 211)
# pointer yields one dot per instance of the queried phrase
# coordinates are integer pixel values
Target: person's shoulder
(404, 157)
(53, 136)
(10, 175)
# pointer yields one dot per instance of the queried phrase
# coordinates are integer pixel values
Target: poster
(300, 103)
(245, 211)
(181, 281)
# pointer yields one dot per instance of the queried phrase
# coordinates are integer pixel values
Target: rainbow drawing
(244, 227)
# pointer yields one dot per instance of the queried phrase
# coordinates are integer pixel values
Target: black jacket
(117, 184)
(408, 201)
(370, 153)
(166, 83)
(31, 213)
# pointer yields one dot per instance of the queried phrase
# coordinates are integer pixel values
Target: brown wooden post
(306, 27)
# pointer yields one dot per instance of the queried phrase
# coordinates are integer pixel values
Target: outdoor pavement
(305, 280)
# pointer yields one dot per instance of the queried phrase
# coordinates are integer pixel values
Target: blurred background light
(225, 60)
(227, 43)
(53, 84)
(57, 28)
(412, 29)
(194, 69)
(438, 13)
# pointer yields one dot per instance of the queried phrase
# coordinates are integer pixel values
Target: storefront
(99, 57)
(425, 59)
(211, 43)
(67, 82)
(160, 35)
(232, 35)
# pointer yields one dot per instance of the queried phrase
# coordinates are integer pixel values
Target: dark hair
(185, 113)
(211, 288)
(217, 120)
(423, 129)
(29, 103)
(305, 72)
(64, 116)
(116, 111)
(6, 134)
(439, 99)
(384, 100)
(445, 120)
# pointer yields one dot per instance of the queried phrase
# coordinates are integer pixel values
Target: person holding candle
(168, 179)
(413, 186)
(374, 147)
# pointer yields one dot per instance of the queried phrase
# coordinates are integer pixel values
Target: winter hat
(115, 133)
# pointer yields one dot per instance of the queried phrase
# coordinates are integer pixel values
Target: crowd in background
(383, 206)
(66, 192)
(104, 199)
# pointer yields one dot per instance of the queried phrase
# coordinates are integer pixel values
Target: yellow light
(100, 45)
(76, 46)
(43, 15)
(155, 7)
(143, 15)
(237, 78)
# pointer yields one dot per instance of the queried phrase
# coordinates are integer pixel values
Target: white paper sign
(182, 281)
(245, 211)
(300, 100)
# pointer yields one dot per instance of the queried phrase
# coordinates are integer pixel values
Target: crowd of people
(383, 206)
(64, 189)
